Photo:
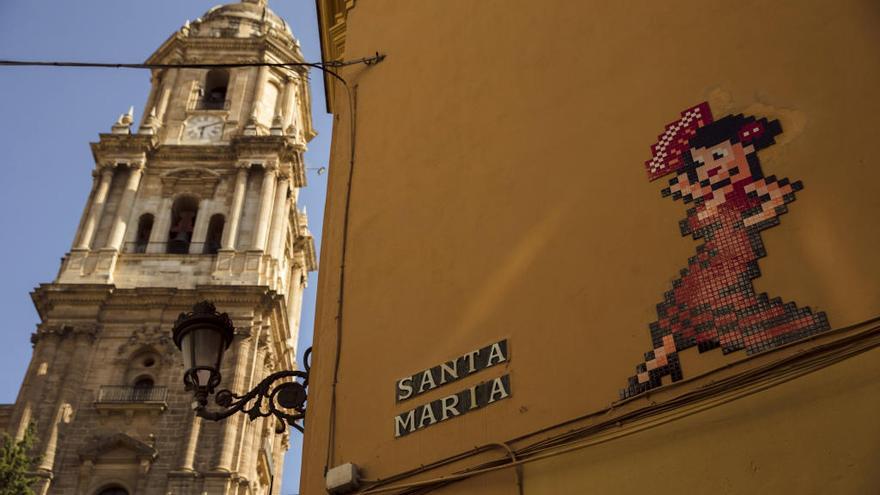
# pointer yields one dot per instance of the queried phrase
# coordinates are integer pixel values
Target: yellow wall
(815, 435)
(499, 191)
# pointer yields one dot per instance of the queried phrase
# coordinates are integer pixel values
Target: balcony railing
(109, 394)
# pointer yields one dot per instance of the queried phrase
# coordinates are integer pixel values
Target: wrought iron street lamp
(203, 335)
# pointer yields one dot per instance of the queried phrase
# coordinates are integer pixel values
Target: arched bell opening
(183, 220)
(216, 82)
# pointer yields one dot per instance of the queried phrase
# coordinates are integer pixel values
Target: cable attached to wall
(351, 96)
(322, 66)
(711, 395)
(352, 127)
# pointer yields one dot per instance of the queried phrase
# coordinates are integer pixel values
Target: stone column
(96, 180)
(252, 378)
(262, 80)
(187, 461)
(280, 445)
(33, 383)
(96, 209)
(279, 226)
(252, 446)
(200, 229)
(68, 393)
(281, 110)
(170, 80)
(47, 461)
(288, 105)
(230, 232)
(123, 211)
(161, 224)
(24, 420)
(230, 426)
(264, 215)
(155, 88)
(249, 453)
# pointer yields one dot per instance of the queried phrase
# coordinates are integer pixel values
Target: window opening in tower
(183, 215)
(214, 97)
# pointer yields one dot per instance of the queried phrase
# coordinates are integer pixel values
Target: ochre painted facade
(498, 191)
(197, 202)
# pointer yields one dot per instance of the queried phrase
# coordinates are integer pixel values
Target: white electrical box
(342, 479)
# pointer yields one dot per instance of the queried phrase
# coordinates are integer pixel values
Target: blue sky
(48, 116)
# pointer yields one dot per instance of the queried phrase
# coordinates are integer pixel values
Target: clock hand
(209, 125)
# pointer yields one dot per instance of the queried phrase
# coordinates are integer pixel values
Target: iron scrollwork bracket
(282, 394)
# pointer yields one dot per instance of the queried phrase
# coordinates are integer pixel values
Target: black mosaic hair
(728, 128)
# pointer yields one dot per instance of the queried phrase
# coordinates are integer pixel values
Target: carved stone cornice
(56, 304)
(47, 296)
(305, 246)
(287, 150)
(284, 146)
(193, 153)
(243, 332)
(211, 50)
(332, 19)
(63, 330)
(112, 148)
(270, 165)
(141, 298)
(170, 52)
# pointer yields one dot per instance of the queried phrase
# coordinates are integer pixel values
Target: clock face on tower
(203, 128)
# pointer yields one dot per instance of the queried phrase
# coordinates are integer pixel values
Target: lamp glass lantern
(202, 337)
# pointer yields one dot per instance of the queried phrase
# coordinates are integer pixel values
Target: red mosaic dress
(713, 303)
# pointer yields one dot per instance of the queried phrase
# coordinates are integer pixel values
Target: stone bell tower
(197, 202)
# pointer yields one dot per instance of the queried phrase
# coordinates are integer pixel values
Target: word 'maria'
(480, 395)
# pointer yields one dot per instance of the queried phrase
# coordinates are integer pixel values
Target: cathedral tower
(197, 202)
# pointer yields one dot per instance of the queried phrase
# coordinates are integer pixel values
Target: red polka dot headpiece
(673, 143)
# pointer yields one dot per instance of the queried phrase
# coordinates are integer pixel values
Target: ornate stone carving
(153, 336)
(63, 330)
(243, 333)
(99, 444)
(123, 123)
(200, 182)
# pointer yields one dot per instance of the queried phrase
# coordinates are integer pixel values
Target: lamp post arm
(280, 391)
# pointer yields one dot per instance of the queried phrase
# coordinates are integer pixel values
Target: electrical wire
(743, 385)
(352, 111)
(323, 66)
(426, 486)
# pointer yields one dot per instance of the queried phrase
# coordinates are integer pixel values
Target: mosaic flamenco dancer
(713, 304)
